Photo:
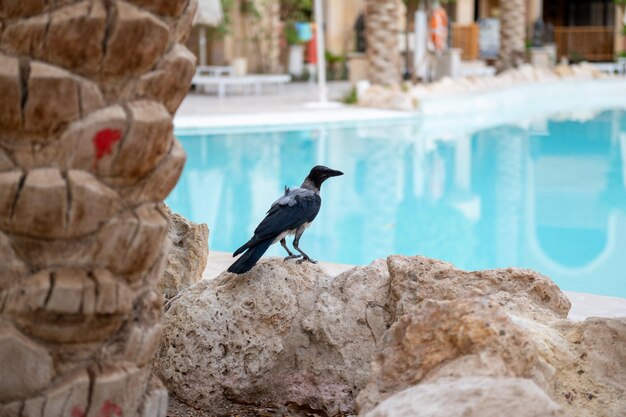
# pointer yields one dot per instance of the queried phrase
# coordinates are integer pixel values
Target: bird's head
(320, 173)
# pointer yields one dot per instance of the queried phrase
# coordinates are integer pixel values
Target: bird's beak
(333, 173)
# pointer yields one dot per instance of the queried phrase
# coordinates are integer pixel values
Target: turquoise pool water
(546, 194)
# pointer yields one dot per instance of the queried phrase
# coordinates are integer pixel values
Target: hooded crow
(291, 214)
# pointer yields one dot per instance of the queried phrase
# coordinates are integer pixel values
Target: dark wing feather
(289, 212)
(289, 215)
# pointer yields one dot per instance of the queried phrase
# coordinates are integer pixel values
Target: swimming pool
(546, 193)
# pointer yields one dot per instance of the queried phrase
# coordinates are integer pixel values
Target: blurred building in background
(258, 31)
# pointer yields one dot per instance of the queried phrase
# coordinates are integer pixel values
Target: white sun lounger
(618, 67)
(215, 70)
(256, 81)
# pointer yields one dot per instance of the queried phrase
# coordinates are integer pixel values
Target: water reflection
(545, 194)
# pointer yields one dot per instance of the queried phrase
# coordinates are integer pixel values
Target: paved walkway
(294, 97)
(583, 305)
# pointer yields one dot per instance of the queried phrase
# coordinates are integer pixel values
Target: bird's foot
(292, 256)
(306, 258)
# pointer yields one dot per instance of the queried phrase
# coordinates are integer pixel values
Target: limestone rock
(286, 333)
(388, 98)
(590, 375)
(256, 337)
(580, 365)
(239, 323)
(350, 317)
(470, 397)
(521, 291)
(497, 323)
(188, 253)
(411, 97)
(464, 337)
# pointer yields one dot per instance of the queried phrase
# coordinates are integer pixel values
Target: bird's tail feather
(250, 258)
(241, 249)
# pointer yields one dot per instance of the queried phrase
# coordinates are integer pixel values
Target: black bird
(291, 214)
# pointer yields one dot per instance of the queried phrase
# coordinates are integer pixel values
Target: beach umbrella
(208, 13)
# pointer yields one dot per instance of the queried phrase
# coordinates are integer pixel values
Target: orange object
(311, 47)
(439, 28)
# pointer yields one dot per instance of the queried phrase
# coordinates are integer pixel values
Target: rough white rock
(187, 256)
(290, 334)
(280, 333)
(470, 397)
(408, 98)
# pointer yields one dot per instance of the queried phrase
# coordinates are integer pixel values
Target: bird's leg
(283, 243)
(305, 257)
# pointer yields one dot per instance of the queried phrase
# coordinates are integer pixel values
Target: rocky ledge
(396, 336)
(187, 254)
(410, 97)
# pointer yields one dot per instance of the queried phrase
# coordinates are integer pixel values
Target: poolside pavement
(583, 305)
(298, 104)
(294, 97)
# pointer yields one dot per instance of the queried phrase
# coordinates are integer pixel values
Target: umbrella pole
(202, 45)
(321, 58)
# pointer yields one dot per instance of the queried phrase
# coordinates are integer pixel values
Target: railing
(588, 43)
(465, 37)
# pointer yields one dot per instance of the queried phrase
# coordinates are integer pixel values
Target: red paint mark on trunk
(77, 412)
(104, 140)
(110, 409)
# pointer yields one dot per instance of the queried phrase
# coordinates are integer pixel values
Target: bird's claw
(306, 259)
(291, 257)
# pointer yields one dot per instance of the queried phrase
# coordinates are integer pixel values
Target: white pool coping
(583, 305)
(289, 118)
(459, 111)
(529, 98)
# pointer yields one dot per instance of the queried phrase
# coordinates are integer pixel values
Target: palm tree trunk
(87, 154)
(381, 33)
(512, 34)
